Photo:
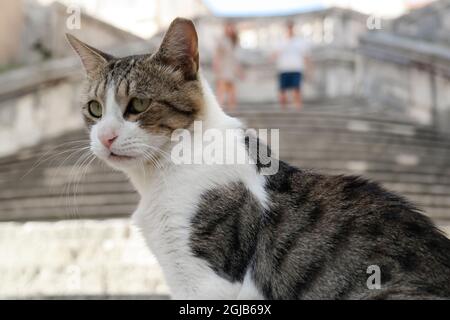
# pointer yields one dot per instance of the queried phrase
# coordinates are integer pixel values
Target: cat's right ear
(179, 47)
(93, 59)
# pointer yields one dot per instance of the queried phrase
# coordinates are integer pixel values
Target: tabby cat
(225, 231)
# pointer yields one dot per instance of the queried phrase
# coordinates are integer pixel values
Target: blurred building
(38, 87)
(31, 32)
(38, 95)
(334, 34)
(377, 105)
(406, 65)
(407, 45)
(11, 21)
(142, 17)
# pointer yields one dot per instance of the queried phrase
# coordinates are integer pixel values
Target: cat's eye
(95, 109)
(137, 105)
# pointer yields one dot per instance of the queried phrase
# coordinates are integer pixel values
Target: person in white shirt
(292, 59)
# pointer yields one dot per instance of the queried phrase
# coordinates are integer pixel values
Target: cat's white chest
(164, 215)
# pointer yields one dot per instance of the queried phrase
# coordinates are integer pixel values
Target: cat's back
(325, 233)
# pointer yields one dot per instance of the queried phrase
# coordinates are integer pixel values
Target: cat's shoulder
(355, 193)
(292, 179)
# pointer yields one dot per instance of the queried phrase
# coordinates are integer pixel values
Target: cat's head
(132, 105)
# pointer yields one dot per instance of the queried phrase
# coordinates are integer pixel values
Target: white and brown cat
(224, 231)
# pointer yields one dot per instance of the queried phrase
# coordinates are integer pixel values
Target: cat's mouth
(119, 157)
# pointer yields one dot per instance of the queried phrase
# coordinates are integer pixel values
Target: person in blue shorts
(292, 58)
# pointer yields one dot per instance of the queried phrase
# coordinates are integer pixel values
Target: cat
(227, 231)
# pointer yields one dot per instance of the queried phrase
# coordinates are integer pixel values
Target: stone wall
(41, 99)
(430, 23)
(406, 74)
(11, 18)
(31, 33)
(81, 258)
(334, 73)
(94, 31)
(42, 110)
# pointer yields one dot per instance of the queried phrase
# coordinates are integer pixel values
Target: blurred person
(227, 67)
(292, 60)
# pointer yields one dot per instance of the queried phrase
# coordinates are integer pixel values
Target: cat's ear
(179, 47)
(93, 59)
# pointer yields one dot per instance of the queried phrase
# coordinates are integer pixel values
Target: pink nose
(108, 140)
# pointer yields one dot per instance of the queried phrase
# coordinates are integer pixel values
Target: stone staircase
(45, 183)
(409, 159)
(65, 232)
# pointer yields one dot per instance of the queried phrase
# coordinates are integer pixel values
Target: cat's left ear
(93, 59)
(179, 47)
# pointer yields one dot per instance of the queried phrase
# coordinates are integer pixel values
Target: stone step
(125, 187)
(75, 200)
(345, 137)
(77, 257)
(410, 178)
(101, 188)
(377, 170)
(337, 122)
(86, 205)
(322, 148)
(374, 149)
(77, 209)
(34, 191)
(436, 212)
(62, 177)
(70, 211)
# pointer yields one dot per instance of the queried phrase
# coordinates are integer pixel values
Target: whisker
(46, 157)
(72, 177)
(61, 164)
(84, 166)
(163, 153)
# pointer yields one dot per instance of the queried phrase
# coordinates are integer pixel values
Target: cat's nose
(107, 140)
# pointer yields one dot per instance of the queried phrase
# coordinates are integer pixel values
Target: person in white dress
(227, 67)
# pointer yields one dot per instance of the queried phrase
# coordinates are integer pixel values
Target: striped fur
(227, 232)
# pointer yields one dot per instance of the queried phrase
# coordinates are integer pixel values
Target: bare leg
(232, 95)
(220, 92)
(298, 98)
(283, 99)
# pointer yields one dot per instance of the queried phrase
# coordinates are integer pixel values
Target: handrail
(401, 50)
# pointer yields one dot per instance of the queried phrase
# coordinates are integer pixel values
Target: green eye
(95, 109)
(138, 105)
